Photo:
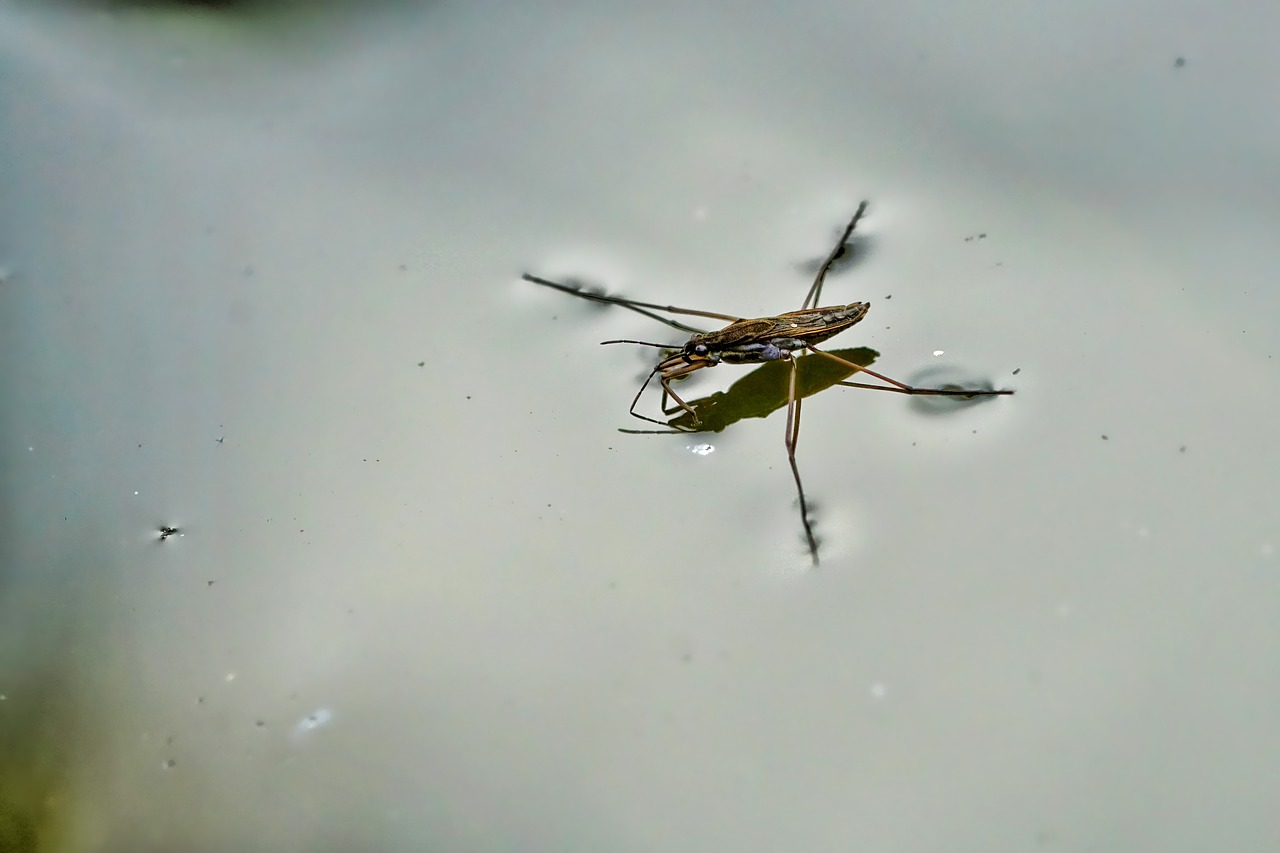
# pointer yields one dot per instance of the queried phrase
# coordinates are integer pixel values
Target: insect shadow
(768, 341)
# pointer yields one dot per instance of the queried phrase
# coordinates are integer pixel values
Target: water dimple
(317, 719)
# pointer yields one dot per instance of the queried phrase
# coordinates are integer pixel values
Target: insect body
(759, 341)
(751, 342)
(765, 338)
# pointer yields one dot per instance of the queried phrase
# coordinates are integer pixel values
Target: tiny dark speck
(468, 396)
(1104, 438)
(422, 364)
(1182, 449)
(1017, 371)
(1179, 62)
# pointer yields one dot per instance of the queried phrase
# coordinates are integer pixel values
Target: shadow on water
(764, 390)
(947, 378)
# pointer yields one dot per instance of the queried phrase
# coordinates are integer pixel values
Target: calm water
(261, 285)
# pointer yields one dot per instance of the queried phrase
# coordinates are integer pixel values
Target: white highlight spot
(938, 352)
(316, 719)
(700, 213)
(878, 690)
(702, 449)
(1267, 549)
(229, 677)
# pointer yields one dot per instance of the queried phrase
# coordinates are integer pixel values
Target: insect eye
(700, 349)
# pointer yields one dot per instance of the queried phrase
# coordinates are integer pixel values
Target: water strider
(759, 340)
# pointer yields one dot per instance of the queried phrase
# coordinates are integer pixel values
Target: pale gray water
(450, 607)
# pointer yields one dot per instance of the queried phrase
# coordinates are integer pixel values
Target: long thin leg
(792, 436)
(903, 388)
(665, 379)
(640, 393)
(634, 305)
(811, 301)
(680, 403)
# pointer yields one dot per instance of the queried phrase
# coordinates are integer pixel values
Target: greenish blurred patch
(764, 390)
(34, 783)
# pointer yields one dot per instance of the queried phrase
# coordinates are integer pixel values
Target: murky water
(261, 287)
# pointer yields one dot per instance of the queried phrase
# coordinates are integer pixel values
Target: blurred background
(317, 531)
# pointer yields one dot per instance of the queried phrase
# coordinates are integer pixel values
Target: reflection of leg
(811, 301)
(792, 436)
(903, 388)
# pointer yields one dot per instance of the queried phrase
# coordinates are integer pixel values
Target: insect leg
(633, 305)
(811, 301)
(640, 393)
(680, 404)
(792, 437)
(665, 375)
(903, 388)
